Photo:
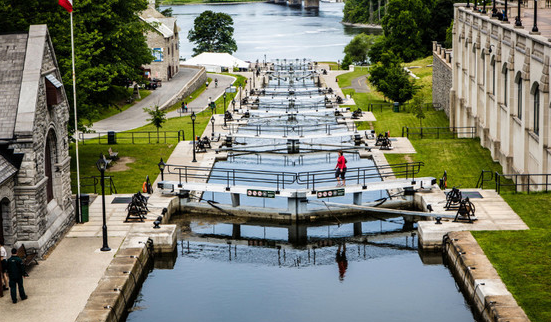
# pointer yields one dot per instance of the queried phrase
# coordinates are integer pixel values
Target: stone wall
(8, 209)
(441, 77)
(199, 79)
(171, 54)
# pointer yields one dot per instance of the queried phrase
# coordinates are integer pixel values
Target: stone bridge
(308, 4)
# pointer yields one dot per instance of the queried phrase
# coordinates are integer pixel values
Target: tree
(158, 117)
(110, 44)
(356, 51)
(391, 79)
(166, 12)
(417, 107)
(213, 32)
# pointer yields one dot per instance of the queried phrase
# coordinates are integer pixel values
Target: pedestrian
(16, 272)
(340, 170)
(341, 260)
(216, 82)
(4, 260)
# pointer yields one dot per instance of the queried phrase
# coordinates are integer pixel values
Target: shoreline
(362, 25)
(212, 3)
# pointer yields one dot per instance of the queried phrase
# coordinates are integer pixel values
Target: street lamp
(193, 126)
(506, 14)
(240, 92)
(224, 95)
(101, 164)
(162, 166)
(212, 122)
(484, 7)
(518, 22)
(250, 83)
(535, 27)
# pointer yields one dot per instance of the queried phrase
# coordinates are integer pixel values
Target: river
(277, 31)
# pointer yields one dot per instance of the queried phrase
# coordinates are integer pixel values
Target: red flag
(67, 4)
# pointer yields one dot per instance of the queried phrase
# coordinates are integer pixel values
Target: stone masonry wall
(8, 220)
(441, 78)
(199, 79)
(170, 58)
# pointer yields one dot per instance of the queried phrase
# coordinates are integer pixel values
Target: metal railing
(439, 132)
(361, 175)
(143, 137)
(279, 179)
(289, 129)
(401, 107)
(231, 177)
(484, 178)
(94, 181)
(522, 182)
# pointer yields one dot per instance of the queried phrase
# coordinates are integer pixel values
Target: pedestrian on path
(340, 170)
(16, 272)
(4, 260)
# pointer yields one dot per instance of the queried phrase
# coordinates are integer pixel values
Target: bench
(26, 257)
(113, 155)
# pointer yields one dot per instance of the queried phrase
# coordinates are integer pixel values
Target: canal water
(276, 31)
(366, 268)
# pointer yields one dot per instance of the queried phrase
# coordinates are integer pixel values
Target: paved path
(135, 116)
(331, 81)
(212, 92)
(359, 84)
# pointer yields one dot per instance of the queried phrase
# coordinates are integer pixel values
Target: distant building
(35, 183)
(500, 85)
(163, 40)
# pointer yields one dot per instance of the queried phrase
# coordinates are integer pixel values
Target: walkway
(135, 116)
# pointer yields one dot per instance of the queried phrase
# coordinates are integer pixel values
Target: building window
(537, 110)
(493, 77)
(519, 96)
(484, 70)
(505, 82)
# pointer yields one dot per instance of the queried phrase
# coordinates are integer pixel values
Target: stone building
(163, 40)
(501, 84)
(35, 184)
(441, 77)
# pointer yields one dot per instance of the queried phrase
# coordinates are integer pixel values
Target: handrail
(522, 181)
(108, 181)
(232, 177)
(134, 137)
(425, 131)
(482, 178)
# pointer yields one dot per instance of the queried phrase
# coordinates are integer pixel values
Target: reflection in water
(254, 271)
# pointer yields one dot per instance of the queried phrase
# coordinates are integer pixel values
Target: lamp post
(506, 15)
(101, 164)
(250, 83)
(240, 92)
(518, 22)
(212, 122)
(535, 27)
(224, 95)
(162, 166)
(484, 7)
(469, 3)
(254, 85)
(193, 116)
(494, 9)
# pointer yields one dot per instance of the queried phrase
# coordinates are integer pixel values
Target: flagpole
(78, 214)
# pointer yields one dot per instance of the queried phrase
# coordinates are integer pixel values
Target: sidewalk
(135, 116)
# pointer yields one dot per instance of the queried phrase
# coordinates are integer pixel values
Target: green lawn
(190, 98)
(523, 258)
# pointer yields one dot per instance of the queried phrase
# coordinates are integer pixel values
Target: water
(251, 279)
(277, 31)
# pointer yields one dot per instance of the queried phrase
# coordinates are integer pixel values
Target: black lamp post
(101, 164)
(484, 7)
(240, 92)
(518, 22)
(224, 95)
(469, 3)
(212, 122)
(474, 5)
(535, 27)
(505, 14)
(162, 166)
(193, 116)
(250, 83)
(494, 9)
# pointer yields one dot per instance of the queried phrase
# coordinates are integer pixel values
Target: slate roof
(7, 170)
(12, 58)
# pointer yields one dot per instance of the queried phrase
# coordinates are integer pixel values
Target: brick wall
(441, 77)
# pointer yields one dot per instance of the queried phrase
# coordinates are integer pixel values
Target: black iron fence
(281, 179)
(401, 107)
(94, 181)
(439, 132)
(522, 182)
(143, 137)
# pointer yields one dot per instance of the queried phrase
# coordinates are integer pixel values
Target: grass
(425, 76)
(117, 108)
(145, 158)
(387, 120)
(523, 258)
(190, 98)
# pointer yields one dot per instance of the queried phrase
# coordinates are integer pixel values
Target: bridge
(308, 4)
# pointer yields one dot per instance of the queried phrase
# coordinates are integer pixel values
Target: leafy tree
(417, 108)
(377, 49)
(363, 11)
(404, 28)
(166, 12)
(356, 51)
(109, 44)
(449, 36)
(391, 79)
(213, 32)
(158, 117)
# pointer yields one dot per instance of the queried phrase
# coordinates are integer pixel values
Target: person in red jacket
(340, 170)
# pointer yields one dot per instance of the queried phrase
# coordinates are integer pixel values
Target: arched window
(50, 153)
(536, 113)
(4, 213)
(505, 84)
(519, 97)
